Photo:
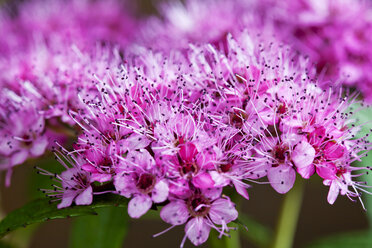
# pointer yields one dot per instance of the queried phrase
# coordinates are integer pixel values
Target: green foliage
(362, 239)
(41, 210)
(107, 230)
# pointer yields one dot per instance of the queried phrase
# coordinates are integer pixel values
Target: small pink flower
(77, 188)
(137, 177)
(201, 212)
(21, 137)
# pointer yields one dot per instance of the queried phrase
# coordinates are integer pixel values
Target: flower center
(27, 140)
(225, 167)
(237, 118)
(280, 153)
(146, 183)
(340, 172)
(198, 206)
(189, 167)
(282, 108)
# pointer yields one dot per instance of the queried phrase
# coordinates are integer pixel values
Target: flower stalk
(288, 218)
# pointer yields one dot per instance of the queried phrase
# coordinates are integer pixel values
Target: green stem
(234, 240)
(290, 210)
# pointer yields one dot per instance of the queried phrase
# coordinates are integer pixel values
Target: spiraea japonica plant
(186, 114)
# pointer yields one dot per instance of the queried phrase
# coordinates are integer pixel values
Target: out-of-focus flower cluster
(171, 111)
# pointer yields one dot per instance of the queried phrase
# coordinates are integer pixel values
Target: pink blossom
(22, 136)
(201, 212)
(76, 183)
(138, 177)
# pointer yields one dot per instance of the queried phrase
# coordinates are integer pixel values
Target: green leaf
(41, 210)
(107, 230)
(361, 239)
(257, 233)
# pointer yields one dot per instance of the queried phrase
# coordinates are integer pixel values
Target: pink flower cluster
(172, 118)
(177, 130)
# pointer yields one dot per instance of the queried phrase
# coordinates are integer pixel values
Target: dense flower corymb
(199, 108)
(163, 133)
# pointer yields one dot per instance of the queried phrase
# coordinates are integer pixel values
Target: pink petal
(197, 231)
(212, 193)
(38, 146)
(219, 179)
(333, 151)
(99, 177)
(89, 168)
(223, 211)
(180, 187)
(160, 192)
(175, 213)
(291, 122)
(203, 181)
(327, 170)
(184, 126)
(18, 157)
(125, 185)
(282, 178)
(134, 142)
(139, 205)
(317, 136)
(333, 192)
(67, 199)
(241, 189)
(306, 172)
(187, 151)
(85, 198)
(66, 177)
(6, 145)
(206, 160)
(142, 158)
(291, 138)
(303, 154)
(267, 116)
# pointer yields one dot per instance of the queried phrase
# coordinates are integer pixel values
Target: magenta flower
(77, 188)
(76, 183)
(138, 177)
(22, 136)
(201, 212)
